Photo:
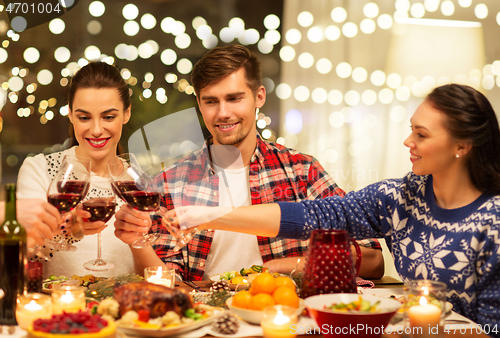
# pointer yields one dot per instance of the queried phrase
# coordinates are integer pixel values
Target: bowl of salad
(351, 314)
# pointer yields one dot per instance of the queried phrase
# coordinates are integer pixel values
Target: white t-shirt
(33, 181)
(232, 250)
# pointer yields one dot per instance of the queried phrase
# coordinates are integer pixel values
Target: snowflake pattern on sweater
(460, 247)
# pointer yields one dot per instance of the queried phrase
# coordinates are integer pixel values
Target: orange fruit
(242, 299)
(261, 301)
(263, 283)
(285, 281)
(283, 295)
(239, 280)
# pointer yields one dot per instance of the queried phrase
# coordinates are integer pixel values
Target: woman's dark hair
(222, 61)
(98, 75)
(471, 117)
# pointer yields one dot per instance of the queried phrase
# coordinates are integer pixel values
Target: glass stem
(99, 246)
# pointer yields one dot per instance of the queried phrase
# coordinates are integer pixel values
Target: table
(384, 282)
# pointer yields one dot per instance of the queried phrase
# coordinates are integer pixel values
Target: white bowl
(254, 316)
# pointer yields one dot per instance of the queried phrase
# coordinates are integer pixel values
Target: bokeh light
(96, 8)
(293, 36)
(130, 11)
(148, 21)
(305, 19)
(57, 26)
(338, 14)
(31, 55)
(305, 60)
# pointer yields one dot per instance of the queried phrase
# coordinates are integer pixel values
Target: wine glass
(136, 188)
(101, 209)
(67, 189)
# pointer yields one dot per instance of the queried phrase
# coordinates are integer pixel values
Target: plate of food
(85, 281)
(150, 310)
(240, 280)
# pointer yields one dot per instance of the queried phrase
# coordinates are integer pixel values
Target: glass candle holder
(424, 308)
(31, 307)
(35, 276)
(68, 298)
(277, 321)
(160, 275)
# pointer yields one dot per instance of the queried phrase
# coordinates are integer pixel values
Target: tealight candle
(424, 304)
(160, 275)
(277, 321)
(31, 307)
(67, 298)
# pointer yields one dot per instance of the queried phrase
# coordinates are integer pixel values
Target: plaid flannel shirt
(276, 174)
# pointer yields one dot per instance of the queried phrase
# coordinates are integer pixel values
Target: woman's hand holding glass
(67, 189)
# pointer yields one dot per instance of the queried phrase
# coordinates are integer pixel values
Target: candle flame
(67, 297)
(158, 272)
(280, 318)
(32, 306)
(423, 301)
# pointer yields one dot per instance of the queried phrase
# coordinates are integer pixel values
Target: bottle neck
(10, 203)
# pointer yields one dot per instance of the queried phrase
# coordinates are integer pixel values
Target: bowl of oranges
(265, 290)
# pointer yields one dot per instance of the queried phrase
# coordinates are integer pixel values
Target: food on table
(239, 280)
(85, 281)
(105, 287)
(141, 319)
(158, 299)
(267, 290)
(253, 269)
(283, 295)
(64, 325)
(356, 306)
(285, 281)
(263, 283)
(239, 275)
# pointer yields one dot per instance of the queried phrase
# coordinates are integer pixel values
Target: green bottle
(13, 259)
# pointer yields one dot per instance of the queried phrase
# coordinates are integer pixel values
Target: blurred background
(343, 77)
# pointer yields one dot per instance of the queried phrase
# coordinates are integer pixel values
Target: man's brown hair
(222, 61)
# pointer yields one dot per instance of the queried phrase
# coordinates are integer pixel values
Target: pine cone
(219, 285)
(226, 324)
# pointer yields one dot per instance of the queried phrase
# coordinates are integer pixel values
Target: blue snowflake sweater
(459, 247)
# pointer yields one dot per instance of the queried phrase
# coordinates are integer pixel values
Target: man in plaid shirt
(227, 82)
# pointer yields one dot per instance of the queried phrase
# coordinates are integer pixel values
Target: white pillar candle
(31, 307)
(424, 318)
(68, 298)
(160, 275)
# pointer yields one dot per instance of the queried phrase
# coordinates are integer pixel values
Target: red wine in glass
(142, 200)
(64, 202)
(67, 189)
(119, 187)
(101, 209)
(73, 187)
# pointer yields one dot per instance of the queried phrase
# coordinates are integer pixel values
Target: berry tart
(81, 325)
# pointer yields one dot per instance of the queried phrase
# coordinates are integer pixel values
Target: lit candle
(68, 298)
(277, 321)
(426, 317)
(160, 275)
(31, 307)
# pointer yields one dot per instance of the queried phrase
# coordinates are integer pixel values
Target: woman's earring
(457, 156)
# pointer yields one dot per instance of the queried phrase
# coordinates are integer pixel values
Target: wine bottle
(13, 259)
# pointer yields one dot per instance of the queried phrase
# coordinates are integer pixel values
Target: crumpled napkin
(365, 284)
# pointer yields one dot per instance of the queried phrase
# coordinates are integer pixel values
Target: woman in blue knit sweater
(441, 221)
